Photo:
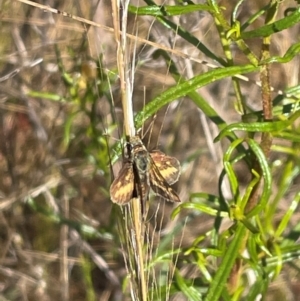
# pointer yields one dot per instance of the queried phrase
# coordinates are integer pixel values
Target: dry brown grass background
(35, 162)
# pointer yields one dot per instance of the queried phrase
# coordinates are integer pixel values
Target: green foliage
(253, 230)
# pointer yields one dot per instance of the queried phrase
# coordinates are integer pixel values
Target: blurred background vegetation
(61, 122)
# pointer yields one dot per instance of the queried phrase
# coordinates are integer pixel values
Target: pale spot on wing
(169, 167)
(121, 189)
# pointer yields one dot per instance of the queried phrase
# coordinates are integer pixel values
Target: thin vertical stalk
(64, 267)
(120, 10)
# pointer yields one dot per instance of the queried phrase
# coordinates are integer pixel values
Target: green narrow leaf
(46, 95)
(288, 56)
(167, 10)
(195, 96)
(273, 126)
(67, 128)
(287, 217)
(274, 27)
(188, 37)
(199, 207)
(189, 291)
(188, 86)
(220, 279)
(249, 189)
(229, 170)
(266, 175)
(258, 289)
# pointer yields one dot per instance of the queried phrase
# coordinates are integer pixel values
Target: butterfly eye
(129, 147)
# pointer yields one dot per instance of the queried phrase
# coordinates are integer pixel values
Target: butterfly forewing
(121, 189)
(169, 167)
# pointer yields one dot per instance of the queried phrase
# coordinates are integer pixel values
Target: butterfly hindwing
(160, 186)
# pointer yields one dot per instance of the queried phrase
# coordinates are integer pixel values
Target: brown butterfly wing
(121, 189)
(169, 167)
(160, 186)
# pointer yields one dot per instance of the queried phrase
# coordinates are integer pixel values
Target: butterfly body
(141, 164)
(144, 170)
